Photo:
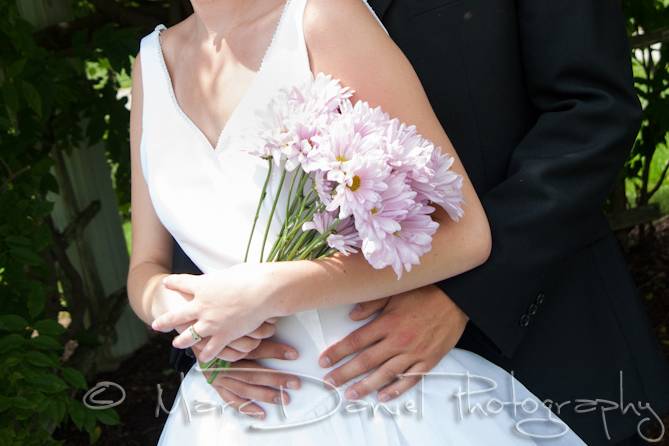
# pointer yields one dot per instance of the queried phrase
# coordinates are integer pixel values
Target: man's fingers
(354, 342)
(253, 373)
(272, 349)
(232, 355)
(361, 363)
(241, 404)
(244, 344)
(266, 330)
(407, 380)
(252, 392)
(363, 310)
(228, 354)
(382, 376)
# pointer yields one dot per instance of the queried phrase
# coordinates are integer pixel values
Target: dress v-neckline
(214, 149)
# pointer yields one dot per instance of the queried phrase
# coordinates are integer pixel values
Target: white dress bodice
(206, 197)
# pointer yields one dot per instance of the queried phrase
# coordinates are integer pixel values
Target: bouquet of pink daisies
(359, 180)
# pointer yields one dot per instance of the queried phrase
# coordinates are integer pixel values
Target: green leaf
(74, 378)
(11, 101)
(11, 342)
(16, 67)
(108, 416)
(5, 403)
(39, 359)
(45, 342)
(32, 97)
(13, 323)
(49, 383)
(36, 299)
(18, 240)
(77, 412)
(25, 255)
(94, 435)
(49, 327)
(20, 402)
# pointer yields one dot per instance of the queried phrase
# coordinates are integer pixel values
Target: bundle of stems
(292, 242)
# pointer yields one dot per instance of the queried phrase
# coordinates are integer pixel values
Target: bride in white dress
(196, 184)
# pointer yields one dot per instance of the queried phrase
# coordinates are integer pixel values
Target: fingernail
(329, 381)
(355, 309)
(290, 354)
(325, 361)
(383, 397)
(293, 384)
(351, 394)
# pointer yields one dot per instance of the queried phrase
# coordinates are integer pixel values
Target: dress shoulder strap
(153, 78)
(288, 45)
(288, 48)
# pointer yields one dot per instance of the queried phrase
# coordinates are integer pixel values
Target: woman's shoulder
(326, 19)
(172, 37)
(345, 39)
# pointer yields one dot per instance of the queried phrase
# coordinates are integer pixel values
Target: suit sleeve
(577, 68)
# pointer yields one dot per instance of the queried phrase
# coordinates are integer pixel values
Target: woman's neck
(214, 19)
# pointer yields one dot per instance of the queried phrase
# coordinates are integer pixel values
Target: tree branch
(660, 181)
(647, 39)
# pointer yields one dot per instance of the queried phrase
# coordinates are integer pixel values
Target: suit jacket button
(532, 310)
(540, 298)
(524, 320)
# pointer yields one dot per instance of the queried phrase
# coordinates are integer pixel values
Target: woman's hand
(226, 305)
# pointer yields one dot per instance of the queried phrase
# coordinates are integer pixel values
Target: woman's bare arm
(151, 243)
(345, 40)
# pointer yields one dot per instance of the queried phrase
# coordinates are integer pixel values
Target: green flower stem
(299, 243)
(298, 196)
(218, 364)
(327, 253)
(318, 243)
(280, 240)
(288, 224)
(314, 246)
(263, 193)
(271, 214)
(287, 233)
(295, 229)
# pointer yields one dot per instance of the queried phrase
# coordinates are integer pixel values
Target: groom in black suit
(538, 100)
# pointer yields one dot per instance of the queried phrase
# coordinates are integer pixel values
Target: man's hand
(414, 331)
(239, 388)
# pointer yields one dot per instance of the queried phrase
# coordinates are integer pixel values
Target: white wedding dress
(206, 197)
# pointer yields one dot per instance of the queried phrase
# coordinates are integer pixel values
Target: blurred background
(65, 324)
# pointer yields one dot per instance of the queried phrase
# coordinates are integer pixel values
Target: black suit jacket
(538, 100)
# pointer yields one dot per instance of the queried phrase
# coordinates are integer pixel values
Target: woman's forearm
(338, 280)
(144, 286)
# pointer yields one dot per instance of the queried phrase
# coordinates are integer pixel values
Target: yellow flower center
(341, 158)
(374, 211)
(355, 184)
